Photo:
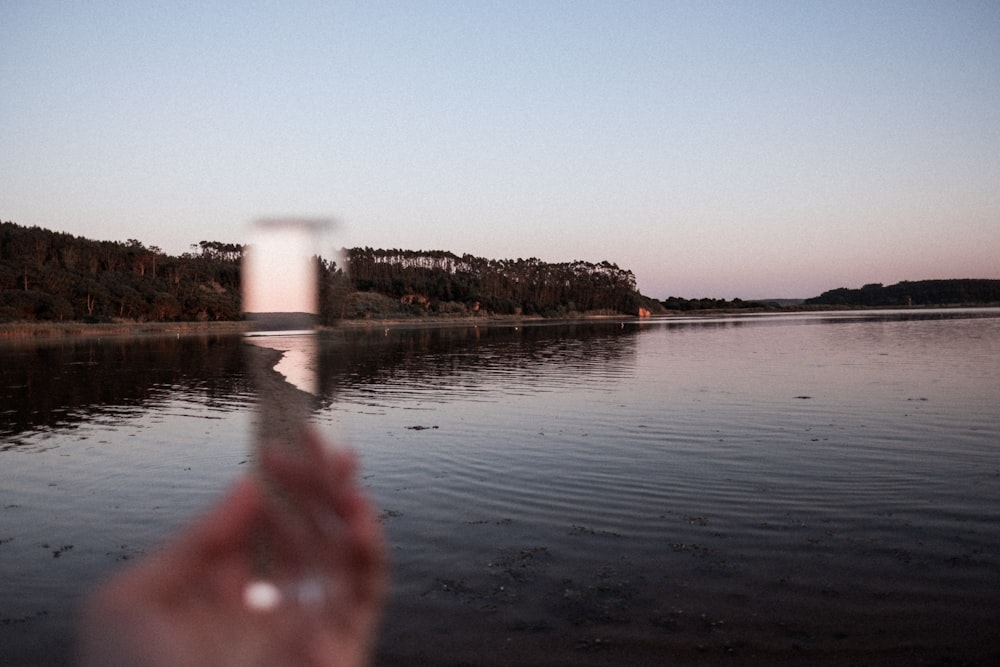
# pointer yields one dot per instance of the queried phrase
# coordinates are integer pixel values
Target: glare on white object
(261, 596)
(310, 592)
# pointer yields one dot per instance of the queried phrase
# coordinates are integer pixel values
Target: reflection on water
(59, 383)
(441, 362)
(297, 364)
(56, 384)
(812, 489)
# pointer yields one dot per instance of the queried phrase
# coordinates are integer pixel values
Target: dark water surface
(797, 489)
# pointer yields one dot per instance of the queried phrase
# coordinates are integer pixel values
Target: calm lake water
(799, 489)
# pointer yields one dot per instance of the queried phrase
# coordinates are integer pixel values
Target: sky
(716, 149)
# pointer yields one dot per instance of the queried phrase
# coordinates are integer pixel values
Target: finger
(360, 545)
(246, 527)
(226, 526)
(219, 533)
(340, 464)
(321, 487)
(315, 482)
(217, 542)
(364, 550)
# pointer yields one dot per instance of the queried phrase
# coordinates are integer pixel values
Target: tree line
(684, 305)
(47, 275)
(963, 291)
(442, 280)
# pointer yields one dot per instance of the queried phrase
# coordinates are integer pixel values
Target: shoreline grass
(47, 329)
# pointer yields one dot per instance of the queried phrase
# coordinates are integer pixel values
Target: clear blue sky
(725, 149)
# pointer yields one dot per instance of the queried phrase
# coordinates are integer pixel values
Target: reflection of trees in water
(61, 383)
(466, 356)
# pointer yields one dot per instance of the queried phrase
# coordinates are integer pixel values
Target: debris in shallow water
(56, 553)
(420, 428)
(586, 530)
(388, 514)
(17, 620)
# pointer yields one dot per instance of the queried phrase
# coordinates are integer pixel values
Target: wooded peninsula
(54, 276)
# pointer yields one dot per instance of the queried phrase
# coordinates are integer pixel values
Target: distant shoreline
(41, 330)
(35, 330)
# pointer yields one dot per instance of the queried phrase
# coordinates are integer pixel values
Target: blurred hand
(297, 579)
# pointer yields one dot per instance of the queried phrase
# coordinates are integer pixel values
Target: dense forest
(46, 275)
(443, 280)
(916, 293)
